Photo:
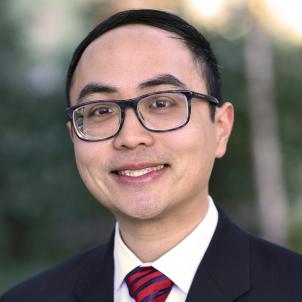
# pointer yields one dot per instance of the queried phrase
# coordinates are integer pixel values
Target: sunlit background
(47, 215)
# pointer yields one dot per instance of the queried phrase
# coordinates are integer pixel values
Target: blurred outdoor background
(47, 215)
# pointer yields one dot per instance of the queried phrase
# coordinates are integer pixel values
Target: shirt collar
(187, 254)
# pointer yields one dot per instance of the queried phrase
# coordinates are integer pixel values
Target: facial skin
(124, 61)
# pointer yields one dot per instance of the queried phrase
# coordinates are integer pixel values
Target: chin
(142, 213)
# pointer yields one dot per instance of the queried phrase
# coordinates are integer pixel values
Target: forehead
(127, 55)
(135, 36)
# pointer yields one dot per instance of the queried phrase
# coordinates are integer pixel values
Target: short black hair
(193, 39)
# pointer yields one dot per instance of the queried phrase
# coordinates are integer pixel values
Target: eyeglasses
(158, 112)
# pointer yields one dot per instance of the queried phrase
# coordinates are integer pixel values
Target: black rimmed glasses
(158, 112)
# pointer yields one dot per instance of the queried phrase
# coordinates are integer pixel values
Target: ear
(224, 119)
(70, 130)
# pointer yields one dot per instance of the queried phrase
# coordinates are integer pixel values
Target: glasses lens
(97, 121)
(163, 111)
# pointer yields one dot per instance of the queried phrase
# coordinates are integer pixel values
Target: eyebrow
(96, 88)
(162, 79)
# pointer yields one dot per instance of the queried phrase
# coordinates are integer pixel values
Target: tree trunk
(271, 194)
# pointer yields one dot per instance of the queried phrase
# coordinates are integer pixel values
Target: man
(147, 122)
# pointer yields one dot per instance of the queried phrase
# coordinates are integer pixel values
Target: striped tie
(146, 284)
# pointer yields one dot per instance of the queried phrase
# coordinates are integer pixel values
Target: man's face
(143, 175)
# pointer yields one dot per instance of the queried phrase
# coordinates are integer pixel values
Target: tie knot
(146, 284)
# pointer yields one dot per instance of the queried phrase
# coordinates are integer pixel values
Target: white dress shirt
(179, 264)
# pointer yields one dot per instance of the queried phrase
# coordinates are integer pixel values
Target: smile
(140, 172)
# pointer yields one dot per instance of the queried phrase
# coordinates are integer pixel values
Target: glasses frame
(133, 103)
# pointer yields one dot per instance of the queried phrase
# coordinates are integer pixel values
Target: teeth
(141, 172)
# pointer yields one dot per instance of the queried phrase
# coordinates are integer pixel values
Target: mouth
(134, 172)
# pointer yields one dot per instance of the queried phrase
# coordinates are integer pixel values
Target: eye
(161, 103)
(100, 111)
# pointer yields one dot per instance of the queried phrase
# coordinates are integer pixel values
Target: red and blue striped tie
(146, 284)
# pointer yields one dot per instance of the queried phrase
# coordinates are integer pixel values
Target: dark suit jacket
(236, 267)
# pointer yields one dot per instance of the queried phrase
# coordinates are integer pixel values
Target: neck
(150, 239)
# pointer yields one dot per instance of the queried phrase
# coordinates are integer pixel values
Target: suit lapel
(223, 274)
(95, 283)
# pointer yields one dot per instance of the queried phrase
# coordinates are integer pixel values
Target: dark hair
(192, 38)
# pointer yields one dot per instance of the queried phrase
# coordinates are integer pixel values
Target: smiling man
(147, 122)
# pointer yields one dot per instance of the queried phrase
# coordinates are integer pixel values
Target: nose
(132, 134)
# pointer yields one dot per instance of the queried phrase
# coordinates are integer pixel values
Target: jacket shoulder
(275, 271)
(59, 279)
(270, 256)
(266, 271)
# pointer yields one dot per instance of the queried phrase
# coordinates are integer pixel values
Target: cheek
(83, 161)
(83, 155)
(89, 158)
(195, 148)
(91, 162)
